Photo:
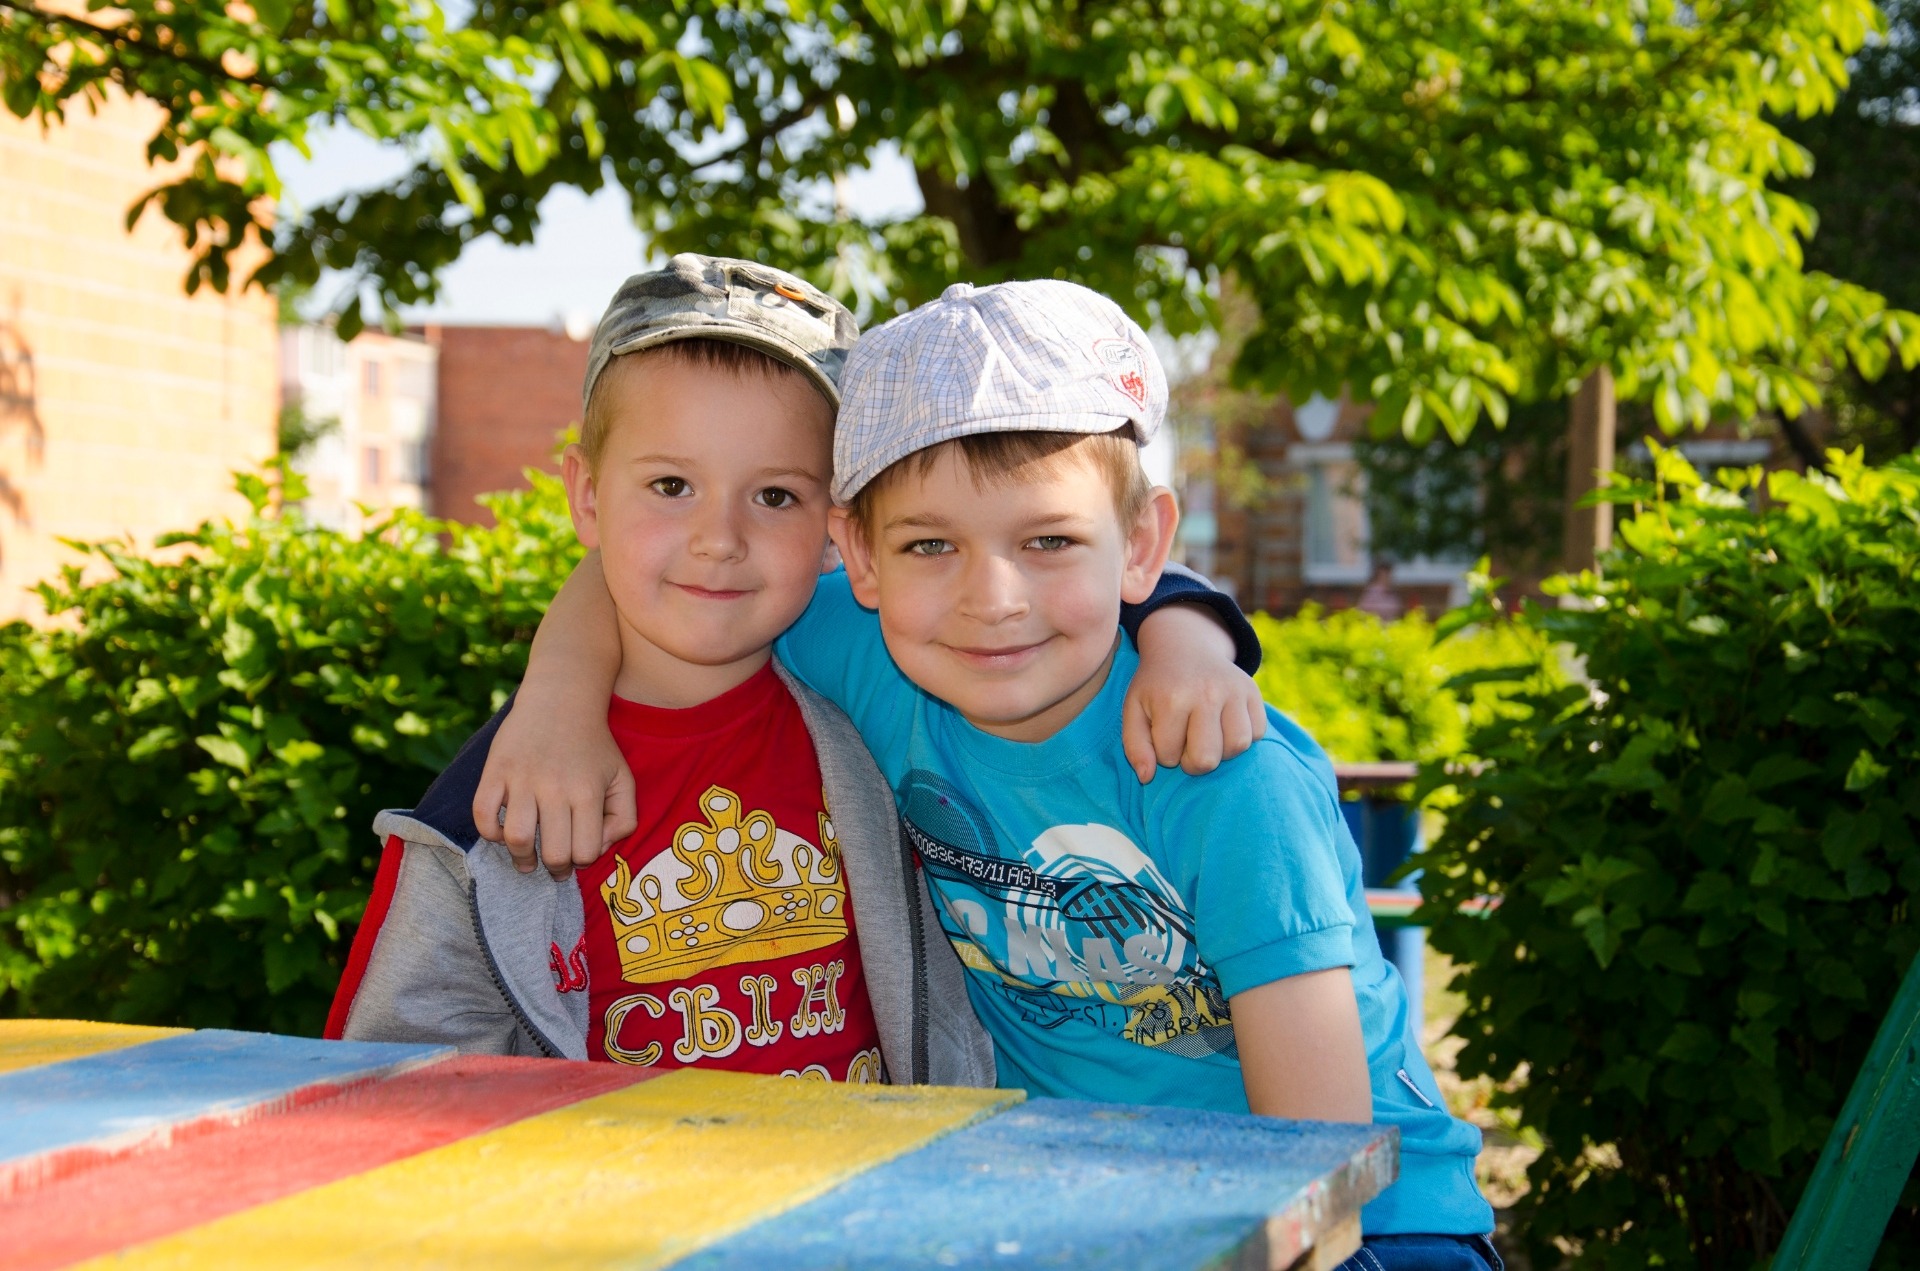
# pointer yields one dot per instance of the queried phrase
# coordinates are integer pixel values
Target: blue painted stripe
(1060, 1184)
(108, 1104)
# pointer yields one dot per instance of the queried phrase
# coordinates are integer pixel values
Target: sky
(584, 247)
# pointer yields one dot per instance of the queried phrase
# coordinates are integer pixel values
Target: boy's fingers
(486, 805)
(1203, 743)
(1136, 740)
(1236, 731)
(523, 822)
(1257, 716)
(1170, 736)
(619, 815)
(554, 841)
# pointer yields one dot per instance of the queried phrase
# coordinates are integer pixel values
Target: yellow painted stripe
(27, 1043)
(631, 1179)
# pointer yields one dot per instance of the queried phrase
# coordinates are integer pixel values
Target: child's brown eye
(778, 498)
(672, 487)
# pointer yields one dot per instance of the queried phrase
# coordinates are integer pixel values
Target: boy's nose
(993, 590)
(717, 534)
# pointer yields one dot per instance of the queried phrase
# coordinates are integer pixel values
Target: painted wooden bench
(158, 1148)
(1870, 1153)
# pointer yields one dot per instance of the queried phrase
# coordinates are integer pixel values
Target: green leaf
(153, 742)
(1691, 1043)
(1865, 772)
(1662, 946)
(225, 751)
(274, 14)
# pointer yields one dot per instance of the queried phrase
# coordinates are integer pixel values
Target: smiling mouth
(708, 593)
(1003, 657)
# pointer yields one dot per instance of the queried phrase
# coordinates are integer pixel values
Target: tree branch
(118, 38)
(1801, 441)
(757, 139)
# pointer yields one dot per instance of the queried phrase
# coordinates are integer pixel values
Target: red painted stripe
(237, 1167)
(384, 881)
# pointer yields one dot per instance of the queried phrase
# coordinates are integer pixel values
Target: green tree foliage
(1446, 206)
(1706, 862)
(1368, 690)
(1865, 188)
(190, 759)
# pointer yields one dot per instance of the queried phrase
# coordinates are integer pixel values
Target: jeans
(1424, 1253)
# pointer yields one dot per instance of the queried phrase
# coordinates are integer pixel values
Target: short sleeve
(1269, 863)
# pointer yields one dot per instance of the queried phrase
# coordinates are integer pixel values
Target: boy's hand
(1188, 703)
(565, 790)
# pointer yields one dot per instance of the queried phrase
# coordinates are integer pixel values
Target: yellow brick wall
(124, 403)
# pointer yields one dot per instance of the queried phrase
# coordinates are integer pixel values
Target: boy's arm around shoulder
(422, 976)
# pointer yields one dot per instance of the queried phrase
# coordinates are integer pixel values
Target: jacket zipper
(499, 981)
(916, 932)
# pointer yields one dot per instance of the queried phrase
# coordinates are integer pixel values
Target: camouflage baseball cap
(716, 298)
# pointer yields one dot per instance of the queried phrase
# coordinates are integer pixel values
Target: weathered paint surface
(1060, 1184)
(28, 1043)
(232, 1168)
(59, 1118)
(634, 1178)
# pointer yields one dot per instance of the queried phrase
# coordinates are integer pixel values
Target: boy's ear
(857, 554)
(582, 499)
(1149, 542)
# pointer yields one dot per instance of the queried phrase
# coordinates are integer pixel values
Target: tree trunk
(1589, 453)
(1801, 442)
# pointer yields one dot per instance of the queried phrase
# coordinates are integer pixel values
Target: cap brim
(733, 333)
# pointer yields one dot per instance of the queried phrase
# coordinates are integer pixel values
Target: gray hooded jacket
(463, 954)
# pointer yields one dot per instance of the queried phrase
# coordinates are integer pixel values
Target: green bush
(1706, 862)
(1368, 690)
(191, 758)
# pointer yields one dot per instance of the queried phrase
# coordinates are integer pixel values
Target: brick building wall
(1298, 532)
(124, 403)
(505, 395)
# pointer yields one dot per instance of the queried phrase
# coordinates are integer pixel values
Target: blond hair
(995, 458)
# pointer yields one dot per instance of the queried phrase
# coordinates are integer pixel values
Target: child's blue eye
(929, 547)
(1051, 542)
(671, 487)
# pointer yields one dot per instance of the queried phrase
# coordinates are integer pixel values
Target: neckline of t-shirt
(1095, 731)
(739, 705)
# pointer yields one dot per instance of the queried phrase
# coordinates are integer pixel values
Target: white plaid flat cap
(1042, 356)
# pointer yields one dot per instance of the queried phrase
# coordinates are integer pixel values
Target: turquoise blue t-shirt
(1104, 924)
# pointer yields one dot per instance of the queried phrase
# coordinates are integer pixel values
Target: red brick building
(505, 396)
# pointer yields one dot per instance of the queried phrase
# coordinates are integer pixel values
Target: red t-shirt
(719, 934)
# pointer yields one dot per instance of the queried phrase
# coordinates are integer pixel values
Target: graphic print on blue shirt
(1081, 925)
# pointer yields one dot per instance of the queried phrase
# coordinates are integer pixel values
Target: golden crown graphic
(735, 900)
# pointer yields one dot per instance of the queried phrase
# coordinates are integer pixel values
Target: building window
(412, 466)
(370, 465)
(1334, 522)
(370, 378)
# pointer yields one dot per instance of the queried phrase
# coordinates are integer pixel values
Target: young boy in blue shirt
(1197, 940)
